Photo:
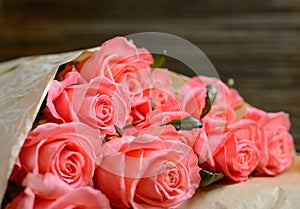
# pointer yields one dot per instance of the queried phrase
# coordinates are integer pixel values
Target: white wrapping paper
(24, 83)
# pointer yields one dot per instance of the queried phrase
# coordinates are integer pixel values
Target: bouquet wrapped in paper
(109, 128)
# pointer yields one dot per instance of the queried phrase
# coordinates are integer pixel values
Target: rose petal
(46, 186)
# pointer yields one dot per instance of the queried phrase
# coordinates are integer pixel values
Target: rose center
(281, 150)
(70, 168)
(103, 108)
(70, 163)
(172, 177)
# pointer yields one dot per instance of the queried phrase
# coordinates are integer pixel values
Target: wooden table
(255, 42)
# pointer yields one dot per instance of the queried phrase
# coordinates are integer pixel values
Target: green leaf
(211, 95)
(230, 82)
(187, 123)
(159, 61)
(59, 78)
(207, 178)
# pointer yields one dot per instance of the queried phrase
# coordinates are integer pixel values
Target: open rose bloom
(111, 131)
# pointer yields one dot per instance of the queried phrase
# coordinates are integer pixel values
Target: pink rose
(231, 95)
(117, 59)
(48, 191)
(161, 91)
(69, 151)
(100, 104)
(203, 148)
(269, 121)
(154, 123)
(280, 147)
(227, 100)
(275, 144)
(187, 137)
(193, 95)
(158, 128)
(158, 94)
(147, 172)
(136, 83)
(237, 155)
(160, 118)
(141, 110)
(221, 113)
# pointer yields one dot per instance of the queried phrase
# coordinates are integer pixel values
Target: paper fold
(24, 83)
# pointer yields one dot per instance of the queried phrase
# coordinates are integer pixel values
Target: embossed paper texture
(24, 83)
(280, 192)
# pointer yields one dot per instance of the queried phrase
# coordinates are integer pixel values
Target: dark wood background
(255, 42)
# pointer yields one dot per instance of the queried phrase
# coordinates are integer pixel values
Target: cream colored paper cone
(24, 83)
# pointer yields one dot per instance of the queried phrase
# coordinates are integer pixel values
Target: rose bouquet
(115, 132)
